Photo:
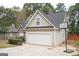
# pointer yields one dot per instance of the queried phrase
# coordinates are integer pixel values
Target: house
(12, 32)
(43, 29)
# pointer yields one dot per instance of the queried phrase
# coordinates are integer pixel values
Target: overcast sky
(20, 3)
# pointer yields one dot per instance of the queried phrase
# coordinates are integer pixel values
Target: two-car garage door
(38, 37)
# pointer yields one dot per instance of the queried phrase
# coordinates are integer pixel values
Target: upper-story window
(38, 21)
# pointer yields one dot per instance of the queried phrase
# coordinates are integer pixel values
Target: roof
(55, 18)
(26, 21)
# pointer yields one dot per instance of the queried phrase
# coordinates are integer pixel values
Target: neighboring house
(12, 32)
(43, 29)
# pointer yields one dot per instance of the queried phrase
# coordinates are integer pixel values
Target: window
(38, 22)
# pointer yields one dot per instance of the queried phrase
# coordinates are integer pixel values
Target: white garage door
(42, 38)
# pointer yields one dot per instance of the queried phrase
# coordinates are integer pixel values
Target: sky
(20, 3)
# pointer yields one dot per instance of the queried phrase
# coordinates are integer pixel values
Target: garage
(44, 29)
(39, 37)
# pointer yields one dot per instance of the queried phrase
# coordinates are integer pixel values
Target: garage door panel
(42, 38)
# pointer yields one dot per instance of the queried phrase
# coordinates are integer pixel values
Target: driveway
(35, 50)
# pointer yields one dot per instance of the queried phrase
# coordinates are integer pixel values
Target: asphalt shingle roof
(26, 21)
(55, 18)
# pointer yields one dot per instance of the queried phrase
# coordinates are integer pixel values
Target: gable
(51, 19)
(42, 21)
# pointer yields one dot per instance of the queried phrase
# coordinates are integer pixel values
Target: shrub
(22, 37)
(15, 41)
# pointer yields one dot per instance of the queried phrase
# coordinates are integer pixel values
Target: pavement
(36, 50)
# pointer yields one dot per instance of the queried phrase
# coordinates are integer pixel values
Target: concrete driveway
(35, 50)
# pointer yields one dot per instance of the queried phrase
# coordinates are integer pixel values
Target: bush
(15, 41)
(22, 37)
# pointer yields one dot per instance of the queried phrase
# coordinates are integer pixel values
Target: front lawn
(4, 44)
(73, 42)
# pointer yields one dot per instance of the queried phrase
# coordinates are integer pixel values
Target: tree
(77, 22)
(71, 10)
(7, 17)
(60, 7)
(3, 29)
(76, 7)
(47, 8)
(20, 17)
(32, 7)
(74, 24)
(15, 8)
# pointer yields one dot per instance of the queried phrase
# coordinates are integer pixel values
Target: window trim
(38, 21)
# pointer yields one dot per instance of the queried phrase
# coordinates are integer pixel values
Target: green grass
(4, 44)
(75, 43)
